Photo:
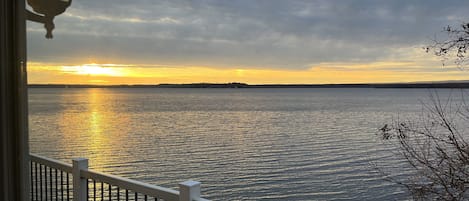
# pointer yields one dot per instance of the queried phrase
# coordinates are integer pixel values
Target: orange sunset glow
(113, 74)
(93, 69)
(183, 100)
(309, 43)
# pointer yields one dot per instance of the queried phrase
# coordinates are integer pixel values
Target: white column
(79, 183)
(189, 191)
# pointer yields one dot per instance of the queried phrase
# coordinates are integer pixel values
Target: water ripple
(247, 144)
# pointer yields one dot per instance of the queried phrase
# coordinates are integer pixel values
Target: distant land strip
(243, 85)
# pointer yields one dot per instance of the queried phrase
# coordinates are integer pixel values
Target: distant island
(244, 85)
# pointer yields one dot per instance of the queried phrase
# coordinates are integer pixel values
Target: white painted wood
(189, 191)
(59, 165)
(79, 182)
(124, 183)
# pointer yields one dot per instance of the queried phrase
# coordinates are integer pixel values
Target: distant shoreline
(243, 85)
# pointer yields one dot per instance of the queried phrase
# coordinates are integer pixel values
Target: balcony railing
(55, 180)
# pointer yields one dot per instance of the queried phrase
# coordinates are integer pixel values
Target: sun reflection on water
(94, 127)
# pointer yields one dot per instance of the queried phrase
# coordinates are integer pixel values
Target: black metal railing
(53, 180)
(99, 191)
(50, 182)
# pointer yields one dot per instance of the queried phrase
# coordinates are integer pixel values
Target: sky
(249, 41)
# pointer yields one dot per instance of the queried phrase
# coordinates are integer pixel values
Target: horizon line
(447, 84)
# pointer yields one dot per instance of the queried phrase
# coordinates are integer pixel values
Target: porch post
(14, 151)
(189, 190)
(80, 184)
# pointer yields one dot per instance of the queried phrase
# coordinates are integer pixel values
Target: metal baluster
(94, 190)
(37, 186)
(50, 184)
(102, 191)
(68, 188)
(56, 186)
(118, 194)
(40, 179)
(136, 196)
(110, 191)
(45, 180)
(126, 195)
(146, 198)
(87, 189)
(31, 177)
(61, 185)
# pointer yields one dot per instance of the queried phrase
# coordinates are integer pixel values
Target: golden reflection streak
(104, 127)
(95, 112)
(94, 131)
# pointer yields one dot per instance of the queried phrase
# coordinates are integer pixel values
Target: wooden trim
(59, 165)
(148, 189)
(14, 151)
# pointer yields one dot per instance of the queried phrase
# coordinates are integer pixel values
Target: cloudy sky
(252, 41)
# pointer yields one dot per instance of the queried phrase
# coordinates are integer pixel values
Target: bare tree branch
(435, 149)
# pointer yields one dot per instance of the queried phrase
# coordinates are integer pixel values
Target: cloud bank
(259, 34)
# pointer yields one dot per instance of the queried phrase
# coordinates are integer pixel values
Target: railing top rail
(137, 186)
(56, 164)
(129, 184)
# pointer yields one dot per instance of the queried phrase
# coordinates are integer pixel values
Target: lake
(242, 144)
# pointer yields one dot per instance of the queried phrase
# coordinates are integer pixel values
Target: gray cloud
(242, 33)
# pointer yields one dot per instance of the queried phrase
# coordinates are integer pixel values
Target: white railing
(48, 182)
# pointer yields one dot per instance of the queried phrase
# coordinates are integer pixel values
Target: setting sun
(93, 69)
(280, 100)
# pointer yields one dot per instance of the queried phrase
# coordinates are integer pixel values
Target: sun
(93, 70)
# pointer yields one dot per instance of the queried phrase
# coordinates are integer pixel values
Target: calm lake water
(242, 144)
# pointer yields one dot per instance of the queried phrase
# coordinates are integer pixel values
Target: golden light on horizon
(325, 73)
(94, 70)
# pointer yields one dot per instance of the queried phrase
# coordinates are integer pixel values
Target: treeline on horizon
(244, 85)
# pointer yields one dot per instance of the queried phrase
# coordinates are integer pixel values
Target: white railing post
(189, 191)
(79, 183)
